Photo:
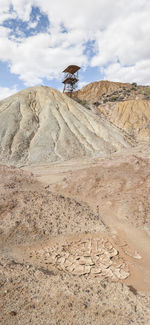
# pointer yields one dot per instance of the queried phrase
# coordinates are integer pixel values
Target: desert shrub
(82, 102)
(134, 84)
(113, 99)
(147, 91)
(132, 289)
(96, 104)
(115, 93)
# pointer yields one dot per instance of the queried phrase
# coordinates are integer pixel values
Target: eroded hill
(101, 92)
(40, 124)
(126, 106)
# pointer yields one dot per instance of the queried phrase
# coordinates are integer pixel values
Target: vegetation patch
(113, 98)
(82, 102)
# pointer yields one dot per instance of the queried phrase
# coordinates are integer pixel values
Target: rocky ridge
(102, 92)
(126, 106)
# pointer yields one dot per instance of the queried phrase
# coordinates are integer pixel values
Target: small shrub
(113, 99)
(132, 289)
(115, 93)
(147, 91)
(134, 84)
(96, 104)
(82, 102)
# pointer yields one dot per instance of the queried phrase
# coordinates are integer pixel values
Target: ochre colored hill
(127, 106)
(132, 116)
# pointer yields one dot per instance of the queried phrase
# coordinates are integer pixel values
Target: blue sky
(38, 39)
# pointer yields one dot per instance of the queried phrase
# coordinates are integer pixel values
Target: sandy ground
(118, 190)
(74, 240)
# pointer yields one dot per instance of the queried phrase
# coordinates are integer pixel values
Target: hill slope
(132, 116)
(105, 91)
(40, 124)
(127, 106)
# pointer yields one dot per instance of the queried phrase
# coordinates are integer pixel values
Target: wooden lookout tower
(71, 78)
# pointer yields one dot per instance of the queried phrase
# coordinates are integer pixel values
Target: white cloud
(6, 15)
(22, 8)
(33, 24)
(39, 59)
(39, 56)
(140, 72)
(6, 92)
(120, 29)
(126, 41)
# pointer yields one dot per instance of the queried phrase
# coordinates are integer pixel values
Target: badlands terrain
(125, 105)
(75, 206)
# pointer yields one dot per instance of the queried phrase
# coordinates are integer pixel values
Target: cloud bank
(119, 32)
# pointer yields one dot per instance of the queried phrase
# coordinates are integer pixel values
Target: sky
(108, 39)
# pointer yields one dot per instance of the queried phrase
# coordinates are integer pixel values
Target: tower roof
(72, 69)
